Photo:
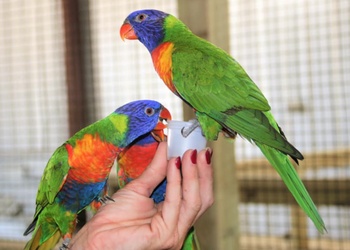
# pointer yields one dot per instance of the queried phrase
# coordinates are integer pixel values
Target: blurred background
(63, 66)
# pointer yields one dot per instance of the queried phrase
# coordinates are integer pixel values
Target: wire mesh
(33, 104)
(298, 53)
(34, 97)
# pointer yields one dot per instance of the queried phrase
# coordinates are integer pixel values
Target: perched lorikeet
(222, 94)
(133, 161)
(77, 172)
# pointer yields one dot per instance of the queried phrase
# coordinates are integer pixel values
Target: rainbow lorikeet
(77, 172)
(224, 97)
(133, 161)
(131, 164)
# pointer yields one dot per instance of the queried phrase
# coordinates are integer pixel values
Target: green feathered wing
(46, 234)
(226, 99)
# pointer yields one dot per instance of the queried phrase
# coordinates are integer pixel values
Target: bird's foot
(105, 198)
(65, 244)
(108, 198)
(186, 131)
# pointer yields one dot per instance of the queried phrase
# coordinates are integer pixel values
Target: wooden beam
(219, 227)
(323, 192)
(253, 241)
(74, 70)
(300, 239)
(82, 106)
(316, 160)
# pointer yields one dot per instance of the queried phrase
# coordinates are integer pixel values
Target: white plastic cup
(178, 144)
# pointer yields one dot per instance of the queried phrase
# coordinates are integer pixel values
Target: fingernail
(208, 155)
(178, 162)
(194, 156)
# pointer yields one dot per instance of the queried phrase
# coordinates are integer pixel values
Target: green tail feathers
(36, 244)
(285, 169)
(261, 128)
(191, 242)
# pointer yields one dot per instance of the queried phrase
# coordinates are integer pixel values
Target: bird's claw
(186, 131)
(65, 245)
(105, 198)
(109, 198)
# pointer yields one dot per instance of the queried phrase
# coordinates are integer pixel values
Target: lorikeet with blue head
(133, 161)
(224, 97)
(77, 172)
(131, 164)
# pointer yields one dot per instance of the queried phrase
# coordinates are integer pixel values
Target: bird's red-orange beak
(158, 131)
(127, 32)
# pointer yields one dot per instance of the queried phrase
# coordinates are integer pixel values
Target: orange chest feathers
(136, 159)
(91, 159)
(162, 61)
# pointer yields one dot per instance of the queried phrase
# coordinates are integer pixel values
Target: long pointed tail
(36, 244)
(285, 169)
(262, 128)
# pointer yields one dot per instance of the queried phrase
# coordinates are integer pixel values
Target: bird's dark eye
(149, 111)
(139, 18)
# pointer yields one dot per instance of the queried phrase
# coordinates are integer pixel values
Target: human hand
(134, 221)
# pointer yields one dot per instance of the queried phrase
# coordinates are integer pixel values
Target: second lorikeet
(224, 97)
(133, 161)
(77, 172)
(131, 164)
